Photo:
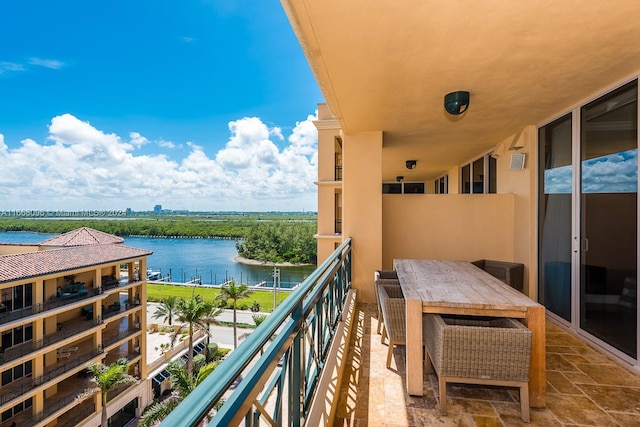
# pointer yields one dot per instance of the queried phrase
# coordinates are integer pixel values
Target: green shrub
(259, 318)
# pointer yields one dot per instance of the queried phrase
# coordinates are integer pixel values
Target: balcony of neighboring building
(63, 404)
(64, 297)
(61, 364)
(118, 332)
(62, 331)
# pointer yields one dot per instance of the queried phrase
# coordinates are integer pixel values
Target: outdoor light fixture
(411, 164)
(399, 178)
(456, 103)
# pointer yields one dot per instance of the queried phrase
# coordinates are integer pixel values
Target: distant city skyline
(208, 106)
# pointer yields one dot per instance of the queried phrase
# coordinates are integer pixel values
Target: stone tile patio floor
(585, 387)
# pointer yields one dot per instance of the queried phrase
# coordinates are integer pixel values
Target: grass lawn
(156, 293)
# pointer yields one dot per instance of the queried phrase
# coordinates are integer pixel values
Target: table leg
(414, 347)
(535, 321)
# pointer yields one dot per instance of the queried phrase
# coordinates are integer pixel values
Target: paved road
(222, 335)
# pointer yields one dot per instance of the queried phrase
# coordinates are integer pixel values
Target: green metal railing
(272, 376)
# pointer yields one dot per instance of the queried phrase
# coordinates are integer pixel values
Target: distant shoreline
(248, 261)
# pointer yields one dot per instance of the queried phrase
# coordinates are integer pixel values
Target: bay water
(183, 259)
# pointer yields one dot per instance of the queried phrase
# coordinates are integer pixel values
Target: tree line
(280, 242)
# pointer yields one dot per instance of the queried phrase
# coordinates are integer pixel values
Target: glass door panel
(608, 218)
(555, 218)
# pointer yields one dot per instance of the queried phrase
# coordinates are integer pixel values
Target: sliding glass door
(609, 217)
(555, 216)
(588, 217)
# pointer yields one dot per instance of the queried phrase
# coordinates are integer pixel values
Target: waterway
(209, 260)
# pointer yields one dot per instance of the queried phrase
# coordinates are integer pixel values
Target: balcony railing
(55, 302)
(11, 391)
(281, 381)
(17, 351)
(53, 407)
(106, 342)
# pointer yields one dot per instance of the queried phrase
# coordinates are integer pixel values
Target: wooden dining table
(459, 287)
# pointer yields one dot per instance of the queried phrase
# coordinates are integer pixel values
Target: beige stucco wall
(362, 207)
(8, 249)
(326, 208)
(454, 226)
(523, 185)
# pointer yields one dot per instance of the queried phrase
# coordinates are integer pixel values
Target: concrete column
(362, 207)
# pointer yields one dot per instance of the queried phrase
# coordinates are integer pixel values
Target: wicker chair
(511, 273)
(475, 350)
(394, 316)
(383, 277)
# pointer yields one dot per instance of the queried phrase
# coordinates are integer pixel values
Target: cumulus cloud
(613, 173)
(81, 167)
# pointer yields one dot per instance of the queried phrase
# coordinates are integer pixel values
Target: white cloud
(166, 144)
(10, 67)
(47, 63)
(80, 167)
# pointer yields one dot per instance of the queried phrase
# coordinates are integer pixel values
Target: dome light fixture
(411, 164)
(456, 103)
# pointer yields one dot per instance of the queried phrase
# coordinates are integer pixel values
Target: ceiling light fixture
(411, 164)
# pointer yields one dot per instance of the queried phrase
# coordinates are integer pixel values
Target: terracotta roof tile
(81, 237)
(34, 264)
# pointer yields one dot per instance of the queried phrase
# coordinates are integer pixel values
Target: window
(479, 176)
(17, 372)
(17, 335)
(391, 188)
(403, 188)
(413, 188)
(441, 185)
(17, 297)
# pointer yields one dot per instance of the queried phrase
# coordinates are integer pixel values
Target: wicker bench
(475, 350)
(511, 273)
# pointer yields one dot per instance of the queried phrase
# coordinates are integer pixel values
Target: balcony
(66, 330)
(55, 302)
(585, 386)
(52, 372)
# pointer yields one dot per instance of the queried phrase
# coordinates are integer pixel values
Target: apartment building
(73, 299)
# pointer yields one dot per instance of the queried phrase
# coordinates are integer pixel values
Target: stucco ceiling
(386, 65)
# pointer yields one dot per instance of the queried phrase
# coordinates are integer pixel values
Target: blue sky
(199, 105)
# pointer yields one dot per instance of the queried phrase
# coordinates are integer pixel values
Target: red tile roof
(81, 237)
(34, 264)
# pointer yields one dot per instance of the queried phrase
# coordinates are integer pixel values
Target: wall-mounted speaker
(517, 161)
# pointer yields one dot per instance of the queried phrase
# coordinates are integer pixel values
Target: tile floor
(585, 387)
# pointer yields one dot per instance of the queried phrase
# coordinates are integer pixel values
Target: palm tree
(193, 314)
(234, 292)
(183, 384)
(167, 309)
(106, 378)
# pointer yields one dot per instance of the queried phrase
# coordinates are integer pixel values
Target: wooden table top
(457, 284)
